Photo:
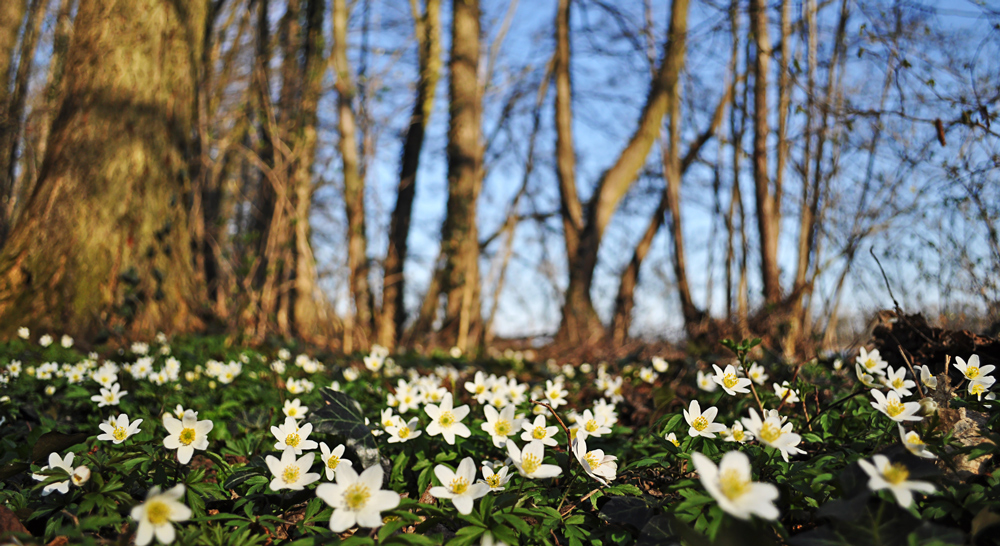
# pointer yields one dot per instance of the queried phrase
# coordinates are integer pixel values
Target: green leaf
(241, 475)
(343, 415)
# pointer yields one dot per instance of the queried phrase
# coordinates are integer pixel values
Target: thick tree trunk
(393, 314)
(54, 81)
(11, 18)
(360, 320)
(580, 323)
(104, 242)
(10, 133)
(459, 236)
(767, 228)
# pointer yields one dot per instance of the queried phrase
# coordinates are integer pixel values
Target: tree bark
(393, 313)
(359, 321)
(459, 235)
(580, 323)
(103, 243)
(767, 228)
(10, 133)
(54, 80)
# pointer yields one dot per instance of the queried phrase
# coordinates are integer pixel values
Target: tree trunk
(11, 18)
(459, 236)
(767, 228)
(359, 321)
(10, 133)
(580, 323)
(103, 243)
(54, 81)
(393, 314)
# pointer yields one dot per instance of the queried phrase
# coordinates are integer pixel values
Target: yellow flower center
(914, 438)
(332, 462)
(292, 440)
(591, 426)
(186, 436)
(157, 512)
(292, 412)
(870, 364)
(971, 372)
(977, 389)
(700, 424)
(480, 389)
(493, 481)
(729, 380)
(109, 397)
(403, 432)
(896, 473)
(530, 464)
(897, 383)
(592, 460)
(459, 485)
(119, 433)
(769, 433)
(732, 484)
(356, 496)
(291, 474)
(738, 435)
(894, 407)
(539, 433)
(674, 441)
(502, 427)
(446, 419)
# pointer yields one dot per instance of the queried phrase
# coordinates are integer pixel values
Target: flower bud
(928, 407)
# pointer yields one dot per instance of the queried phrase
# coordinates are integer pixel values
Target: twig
(569, 440)
(570, 508)
(835, 404)
(910, 366)
(899, 311)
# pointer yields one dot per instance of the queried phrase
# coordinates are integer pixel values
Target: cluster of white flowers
(979, 378)
(611, 385)
(299, 386)
(224, 373)
(497, 391)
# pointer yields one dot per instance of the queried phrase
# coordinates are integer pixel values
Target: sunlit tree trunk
(460, 236)
(54, 80)
(580, 323)
(767, 227)
(103, 242)
(10, 132)
(428, 31)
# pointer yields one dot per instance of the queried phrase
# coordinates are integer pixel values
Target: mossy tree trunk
(103, 243)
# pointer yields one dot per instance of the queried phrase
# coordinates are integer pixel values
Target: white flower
(156, 514)
(290, 435)
(605, 412)
(139, 348)
(555, 394)
(500, 424)
(458, 485)
(731, 485)
(14, 368)
(893, 476)
(706, 383)
(771, 431)
(23, 333)
(913, 443)
(972, 370)
(897, 381)
(892, 406)
(865, 378)
(538, 431)
(529, 461)
(737, 434)
(50, 390)
(55, 461)
(729, 381)
(672, 438)
(357, 499)
(496, 478)
(926, 378)
(118, 429)
(45, 340)
(648, 375)
(294, 409)
(374, 363)
(757, 374)
(350, 374)
(980, 385)
(186, 434)
(701, 423)
(278, 367)
(591, 426)
(290, 473)
(446, 420)
(872, 362)
(66, 342)
(614, 390)
(284, 354)
(783, 389)
(596, 464)
(109, 397)
(80, 476)
(659, 364)
(838, 364)
(400, 431)
(332, 460)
